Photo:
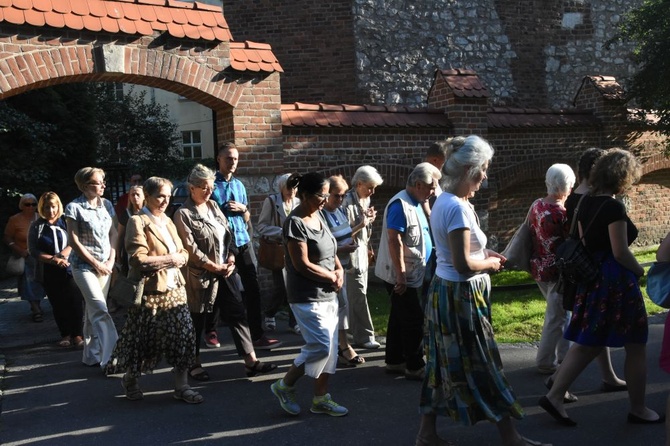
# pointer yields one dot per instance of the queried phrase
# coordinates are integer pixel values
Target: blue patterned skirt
(464, 372)
(610, 311)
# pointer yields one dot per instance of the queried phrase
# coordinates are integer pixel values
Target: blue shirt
(93, 224)
(395, 219)
(232, 190)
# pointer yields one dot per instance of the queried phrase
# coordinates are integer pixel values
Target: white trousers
(553, 346)
(318, 325)
(99, 330)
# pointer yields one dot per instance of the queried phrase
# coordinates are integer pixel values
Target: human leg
(360, 321)
(394, 344)
(345, 352)
(635, 371)
(54, 285)
(277, 298)
(410, 318)
(252, 292)
(427, 435)
(610, 378)
(100, 334)
(511, 437)
(553, 347)
(322, 402)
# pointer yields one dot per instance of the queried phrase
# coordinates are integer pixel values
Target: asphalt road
(50, 398)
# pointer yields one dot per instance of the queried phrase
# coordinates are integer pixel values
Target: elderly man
(405, 245)
(231, 196)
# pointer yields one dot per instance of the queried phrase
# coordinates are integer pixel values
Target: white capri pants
(318, 323)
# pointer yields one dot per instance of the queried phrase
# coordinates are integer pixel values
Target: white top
(450, 213)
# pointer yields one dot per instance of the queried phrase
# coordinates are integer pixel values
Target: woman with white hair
(361, 215)
(16, 237)
(273, 214)
(548, 224)
(464, 376)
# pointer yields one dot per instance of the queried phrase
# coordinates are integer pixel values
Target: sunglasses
(30, 204)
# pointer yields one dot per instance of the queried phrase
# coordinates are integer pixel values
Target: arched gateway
(185, 48)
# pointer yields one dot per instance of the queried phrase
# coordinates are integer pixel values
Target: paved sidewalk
(50, 398)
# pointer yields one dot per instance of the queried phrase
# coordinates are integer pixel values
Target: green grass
(518, 314)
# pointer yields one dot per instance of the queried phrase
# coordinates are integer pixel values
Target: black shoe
(568, 398)
(634, 419)
(551, 410)
(607, 387)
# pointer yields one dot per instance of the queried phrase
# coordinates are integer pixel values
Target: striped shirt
(232, 190)
(92, 225)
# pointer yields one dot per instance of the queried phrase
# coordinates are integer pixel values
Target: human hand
(235, 206)
(178, 260)
(400, 284)
(103, 268)
(349, 247)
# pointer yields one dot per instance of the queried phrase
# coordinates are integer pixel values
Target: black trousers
(65, 299)
(404, 334)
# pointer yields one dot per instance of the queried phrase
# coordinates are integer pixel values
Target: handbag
(520, 248)
(658, 284)
(127, 292)
(574, 262)
(16, 265)
(270, 252)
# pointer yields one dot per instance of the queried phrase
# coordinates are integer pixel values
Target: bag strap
(275, 206)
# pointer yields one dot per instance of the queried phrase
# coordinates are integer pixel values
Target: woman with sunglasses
(16, 237)
(93, 239)
(314, 275)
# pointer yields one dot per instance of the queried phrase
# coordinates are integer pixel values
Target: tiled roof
(606, 85)
(144, 17)
(253, 56)
(505, 117)
(324, 115)
(464, 83)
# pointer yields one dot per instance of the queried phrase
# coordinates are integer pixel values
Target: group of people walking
(202, 266)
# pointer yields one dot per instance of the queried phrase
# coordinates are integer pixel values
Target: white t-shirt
(448, 214)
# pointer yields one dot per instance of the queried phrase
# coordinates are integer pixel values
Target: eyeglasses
(100, 184)
(206, 188)
(339, 196)
(322, 196)
(30, 204)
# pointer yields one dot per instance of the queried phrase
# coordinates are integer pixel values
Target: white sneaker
(371, 345)
(270, 324)
(295, 329)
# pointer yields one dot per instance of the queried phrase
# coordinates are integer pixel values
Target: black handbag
(574, 262)
(127, 292)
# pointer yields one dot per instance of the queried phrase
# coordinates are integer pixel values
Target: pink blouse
(548, 227)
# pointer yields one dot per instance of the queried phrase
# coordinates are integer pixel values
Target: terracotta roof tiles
(301, 114)
(193, 20)
(252, 56)
(465, 83)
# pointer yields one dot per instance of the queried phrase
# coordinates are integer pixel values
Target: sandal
(258, 368)
(78, 342)
(65, 342)
(353, 362)
(38, 317)
(188, 395)
(202, 375)
(132, 388)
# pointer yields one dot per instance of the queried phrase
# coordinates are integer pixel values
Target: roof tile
(131, 11)
(15, 16)
(35, 18)
(163, 14)
(176, 30)
(178, 16)
(206, 33)
(92, 23)
(206, 6)
(208, 19)
(110, 25)
(143, 28)
(178, 4)
(114, 10)
(127, 26)
(62, 6)
(42, 5)
(97, 8)
(193, 17)
(54, 20)
(5, 3)
(73, 21)
(23, 4)
(191, 31)
(147, 13)
(80, 8)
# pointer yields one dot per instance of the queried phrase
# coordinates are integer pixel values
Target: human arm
(137, 246)
(10, 239)
(298, 254)
(663, 252)
(459, 244)
(267, 221)
(397, 256)
(619, 242)
(188, 235)
(102, 268)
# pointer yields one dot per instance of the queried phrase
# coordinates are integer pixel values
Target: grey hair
(473, 153)
(25, 197)
(153, 185)
(366, 175)
(425, 173)
(199, 174)
(281, 181)
(560, 179)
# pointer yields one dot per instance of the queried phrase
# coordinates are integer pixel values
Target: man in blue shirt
(231, 196)
(404, 247)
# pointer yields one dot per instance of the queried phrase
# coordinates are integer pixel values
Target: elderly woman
(93, 238)
(548, 228)
(16, 237)
(314, 275)
(160, 326)
(609, 312)
(341, 230)
(276, 208)
(458, 329)
(47, 242)
(211, 280)
(361, 216)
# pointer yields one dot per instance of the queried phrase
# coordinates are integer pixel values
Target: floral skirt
(609, 312)
(161, 328)
(464, 372)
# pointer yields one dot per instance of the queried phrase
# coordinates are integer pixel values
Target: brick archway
(185, 48)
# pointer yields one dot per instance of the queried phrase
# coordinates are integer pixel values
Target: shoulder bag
(270, 252)
(574, 262)
(15, 265)
(658, 284)
(520, 248)
(127, 292)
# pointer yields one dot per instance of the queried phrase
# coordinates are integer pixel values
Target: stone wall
(527, 52)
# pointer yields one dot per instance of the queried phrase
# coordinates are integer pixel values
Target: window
(191, 144)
